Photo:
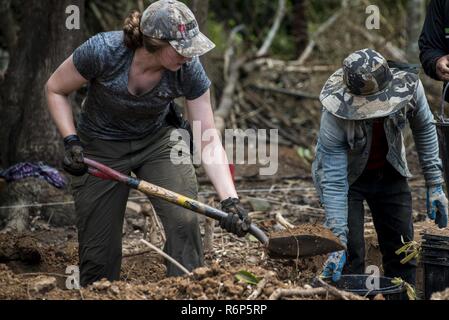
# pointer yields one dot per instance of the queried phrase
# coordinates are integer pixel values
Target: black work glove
(74, 160)
(237, 221)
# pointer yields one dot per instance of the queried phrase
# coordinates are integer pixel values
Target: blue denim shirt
(343, 150)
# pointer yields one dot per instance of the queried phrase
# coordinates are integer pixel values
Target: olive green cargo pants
(100, 205)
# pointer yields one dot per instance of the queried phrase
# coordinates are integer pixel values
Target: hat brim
(197, 46)
(339, 101)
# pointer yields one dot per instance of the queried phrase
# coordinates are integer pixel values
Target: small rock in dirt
(3, 267)
(253, 260)
(195, 291)
(259, 205)
(136, 224)
(101, 285)
(201, 273)
(115, 290)
(232, 288)
(443, 295)
(133, 208)
(268, 291)
(43, 284)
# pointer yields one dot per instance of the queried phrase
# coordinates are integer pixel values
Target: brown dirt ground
(143, 276)
(32, 258)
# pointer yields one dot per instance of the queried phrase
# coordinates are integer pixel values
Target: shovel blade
(302, 241)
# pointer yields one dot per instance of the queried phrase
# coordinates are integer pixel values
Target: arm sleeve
(194, 79)
(89, 58)
(426, 139)
(334, 152)
(431, 41)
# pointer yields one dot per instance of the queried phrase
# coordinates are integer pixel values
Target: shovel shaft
(196, 206)
(104, 172)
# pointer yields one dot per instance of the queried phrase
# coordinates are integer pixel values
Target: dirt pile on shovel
(303, 241)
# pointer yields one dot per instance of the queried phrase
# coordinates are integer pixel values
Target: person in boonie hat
(366, 87)
(129, 121)
(361, 156)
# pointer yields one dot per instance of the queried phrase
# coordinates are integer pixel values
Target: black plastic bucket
(435, 260)
(442, 126)
(357, 284)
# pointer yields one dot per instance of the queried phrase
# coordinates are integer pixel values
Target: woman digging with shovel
(133, 77)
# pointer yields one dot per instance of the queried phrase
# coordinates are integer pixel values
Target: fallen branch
(283, 222)
(274, 29)
(155, 224)
(262, 178)
(344, 295)
(130, 254)
(327, 289)
(260, 286)
(282, 293)
(284, 66)
(230, 51)
(293, 93)
(394, 52)
(326, 25)
(166, 256)
(36, 274)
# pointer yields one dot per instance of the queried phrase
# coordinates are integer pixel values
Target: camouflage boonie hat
(366, 87)
(174, 22)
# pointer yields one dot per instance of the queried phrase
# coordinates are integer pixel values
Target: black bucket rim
(434, 263)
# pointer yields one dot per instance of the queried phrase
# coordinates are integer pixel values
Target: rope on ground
(205, 193)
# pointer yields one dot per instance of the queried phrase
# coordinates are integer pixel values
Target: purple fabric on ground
(36, 170)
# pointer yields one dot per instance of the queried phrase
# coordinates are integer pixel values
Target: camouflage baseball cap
(366, 87)
(174, 22)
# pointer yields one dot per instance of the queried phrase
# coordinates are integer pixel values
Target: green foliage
(257, 16)
(411, 250)
(411, 292)
(305, 154)
(247, 277)
(217, 34)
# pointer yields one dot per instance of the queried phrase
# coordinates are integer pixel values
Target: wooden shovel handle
(104, 172)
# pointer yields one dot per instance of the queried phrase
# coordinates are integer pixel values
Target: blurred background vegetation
(276, 88)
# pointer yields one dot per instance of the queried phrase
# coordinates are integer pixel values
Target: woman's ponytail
(132, 35)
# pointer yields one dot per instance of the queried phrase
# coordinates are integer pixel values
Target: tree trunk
(201, 9)
(44, 42)
(27, 133)
(416, 11)
(300, 32)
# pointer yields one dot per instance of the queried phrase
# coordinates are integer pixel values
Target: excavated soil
(143, 275)
(33, 265)
(303, 241)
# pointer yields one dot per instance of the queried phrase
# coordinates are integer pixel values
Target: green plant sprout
(247, 277)
(411, 292)
(411, 249)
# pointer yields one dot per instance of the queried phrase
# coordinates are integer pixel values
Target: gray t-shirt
(110, 112)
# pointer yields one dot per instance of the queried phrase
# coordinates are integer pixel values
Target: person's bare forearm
(218, 170)
(65, 80)
(61, 112)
